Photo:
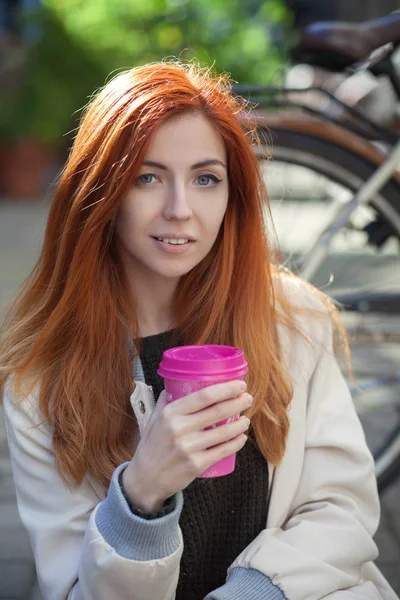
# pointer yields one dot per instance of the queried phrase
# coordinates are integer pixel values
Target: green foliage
(85, 41)
(56, 81)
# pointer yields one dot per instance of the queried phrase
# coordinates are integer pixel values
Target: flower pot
(24, 168)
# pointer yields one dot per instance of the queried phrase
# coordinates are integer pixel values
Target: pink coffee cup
(187, 369)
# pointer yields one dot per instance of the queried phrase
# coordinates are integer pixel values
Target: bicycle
(353, 207)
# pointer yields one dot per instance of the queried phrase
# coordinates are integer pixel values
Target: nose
(177, 203)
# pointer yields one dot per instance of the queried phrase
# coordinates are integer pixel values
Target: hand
(175, 447)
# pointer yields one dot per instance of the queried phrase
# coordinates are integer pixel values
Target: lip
(173, 249)
(174, 236)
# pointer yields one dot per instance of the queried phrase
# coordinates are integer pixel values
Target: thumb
(158, 408)
(162, 401)
(160, 404)
(155, 412)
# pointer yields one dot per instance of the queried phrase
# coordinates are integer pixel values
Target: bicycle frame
(379, 62)
(317, 254)
(365, 129)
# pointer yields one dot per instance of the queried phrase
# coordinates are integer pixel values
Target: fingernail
(243, 385)
(250, 399)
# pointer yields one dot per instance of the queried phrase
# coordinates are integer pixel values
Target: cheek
(122, 223)
(125, 226)
(214, 215)
(132, 215)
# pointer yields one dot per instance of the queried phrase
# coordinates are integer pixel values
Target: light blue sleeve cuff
(247, 584)
(131, 536)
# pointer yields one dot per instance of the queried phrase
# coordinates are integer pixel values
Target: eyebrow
(204, 163)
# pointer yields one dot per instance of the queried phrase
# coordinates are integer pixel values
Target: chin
(173, 267)
(174, 273)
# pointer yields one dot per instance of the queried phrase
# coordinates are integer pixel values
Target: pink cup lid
(202, 362)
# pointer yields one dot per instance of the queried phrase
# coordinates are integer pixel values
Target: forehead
(187, 138)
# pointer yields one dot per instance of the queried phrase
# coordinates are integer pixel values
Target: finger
(207, 439)
(208, 396)
(224, 433)
(216, 453)
(219, 412)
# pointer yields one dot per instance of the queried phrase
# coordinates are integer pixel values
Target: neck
(154, 304)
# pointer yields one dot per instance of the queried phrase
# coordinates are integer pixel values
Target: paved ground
(21, 226)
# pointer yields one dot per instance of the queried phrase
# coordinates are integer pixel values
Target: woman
(156, 237)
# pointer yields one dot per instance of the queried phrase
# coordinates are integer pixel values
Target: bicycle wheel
(308, 179)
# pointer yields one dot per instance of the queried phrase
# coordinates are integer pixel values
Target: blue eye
(146, 178)
(204, 180)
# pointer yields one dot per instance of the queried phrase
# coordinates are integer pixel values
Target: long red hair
(68, 329)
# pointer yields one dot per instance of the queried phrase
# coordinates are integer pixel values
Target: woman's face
(170, 219)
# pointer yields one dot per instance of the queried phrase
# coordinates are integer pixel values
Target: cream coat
(323, 499)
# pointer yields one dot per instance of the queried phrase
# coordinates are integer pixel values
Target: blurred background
(53, 55)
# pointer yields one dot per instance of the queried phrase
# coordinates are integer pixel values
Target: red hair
(70, 325)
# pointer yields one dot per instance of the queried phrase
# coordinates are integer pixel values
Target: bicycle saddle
(335, 45)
